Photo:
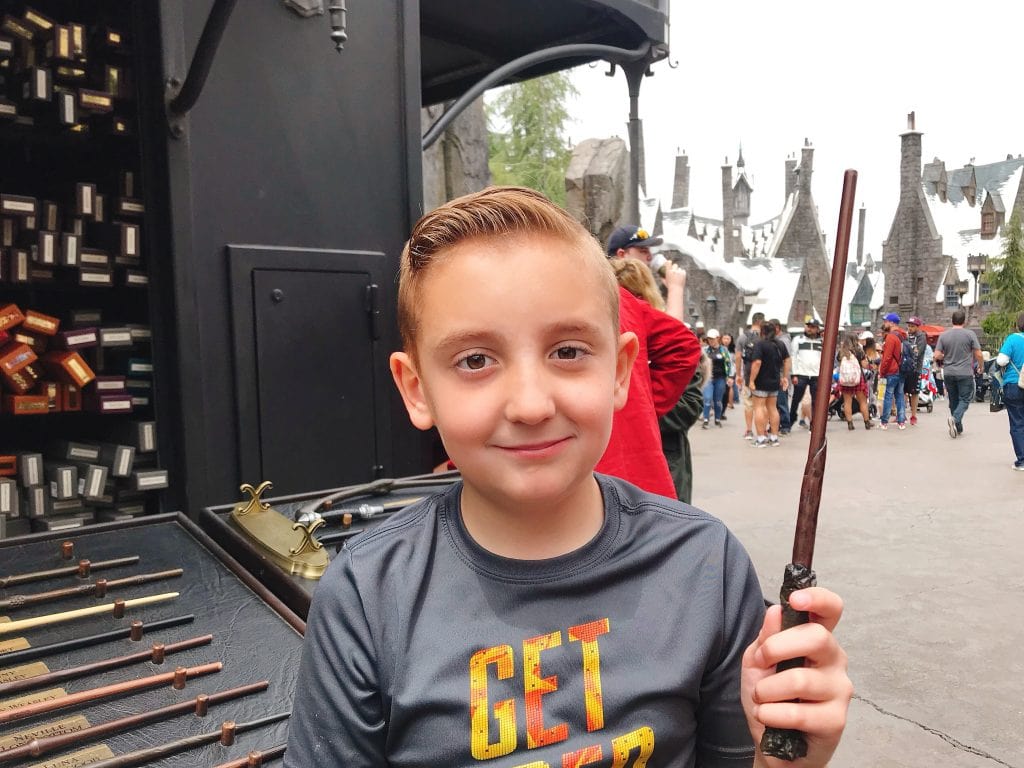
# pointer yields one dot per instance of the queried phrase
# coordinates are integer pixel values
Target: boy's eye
(473, 362)
(568, 353)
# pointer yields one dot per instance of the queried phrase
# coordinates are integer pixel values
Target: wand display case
(255, 638)
(275, 549)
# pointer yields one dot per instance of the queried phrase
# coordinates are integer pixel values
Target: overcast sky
(844, 75)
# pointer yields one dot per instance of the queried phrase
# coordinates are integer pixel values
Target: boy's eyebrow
(470, 337)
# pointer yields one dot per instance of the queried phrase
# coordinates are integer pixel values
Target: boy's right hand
(821, 685)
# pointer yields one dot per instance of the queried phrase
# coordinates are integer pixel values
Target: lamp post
(961, 290)
(977, 266)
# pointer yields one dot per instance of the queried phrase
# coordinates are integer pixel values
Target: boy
(538, 614)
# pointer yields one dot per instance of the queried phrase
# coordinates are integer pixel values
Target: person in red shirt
(889, 369)
(634, 451)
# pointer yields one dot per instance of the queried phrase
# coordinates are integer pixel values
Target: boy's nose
(529, 400)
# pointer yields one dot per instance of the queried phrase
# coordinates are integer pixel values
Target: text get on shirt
(500, 661)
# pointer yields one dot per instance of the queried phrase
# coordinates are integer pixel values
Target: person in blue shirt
(1011, 356)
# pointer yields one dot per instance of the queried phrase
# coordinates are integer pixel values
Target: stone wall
(727, 313)
(457, 162)
(595, 185)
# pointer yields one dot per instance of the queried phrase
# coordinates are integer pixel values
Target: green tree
(1006, 277)
(526, 122)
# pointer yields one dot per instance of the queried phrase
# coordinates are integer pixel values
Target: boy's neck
(534, 532)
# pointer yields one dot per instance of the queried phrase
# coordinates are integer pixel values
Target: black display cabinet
(255, 639)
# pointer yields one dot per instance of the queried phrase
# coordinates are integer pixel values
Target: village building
(779, 267)
(947, 227)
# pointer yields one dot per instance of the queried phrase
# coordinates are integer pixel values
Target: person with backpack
(889, 369)
(851, 381)
(957, 349)
(1011, 356)
(912, 361)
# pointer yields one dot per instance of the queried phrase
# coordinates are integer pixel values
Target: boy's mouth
(539, 448)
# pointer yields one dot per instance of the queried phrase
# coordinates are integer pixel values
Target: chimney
(791, 176)
(681, 185)
(727, 212)
(860, 235)
(910, 160)
(806, 167)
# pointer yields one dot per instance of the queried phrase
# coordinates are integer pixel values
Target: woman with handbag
(1011, 356)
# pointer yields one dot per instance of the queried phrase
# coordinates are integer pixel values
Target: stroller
(926, 391)
(835, 403)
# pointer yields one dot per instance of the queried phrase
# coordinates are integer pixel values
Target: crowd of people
(775, 376)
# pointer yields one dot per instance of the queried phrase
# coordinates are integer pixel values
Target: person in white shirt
(806, 362)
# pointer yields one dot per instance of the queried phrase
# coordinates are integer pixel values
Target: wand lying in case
(99, 588)
(116, 609)
(177, 679)
(788, 744)
(36, 747)
(225, 735)
(156, 654)
(135, 632)
(15, 579)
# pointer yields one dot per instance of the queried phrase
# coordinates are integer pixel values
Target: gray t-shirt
(957, 345)
(423, 648)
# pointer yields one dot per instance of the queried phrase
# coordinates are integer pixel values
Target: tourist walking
(721, 377)
(1011, 355)
(852, 382)
(918, 341)
(956, 351)
(806, 362)
(782, 401)
(769, 373)
(889, 369)
(745, 347)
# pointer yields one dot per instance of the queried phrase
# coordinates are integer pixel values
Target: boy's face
(518, 365)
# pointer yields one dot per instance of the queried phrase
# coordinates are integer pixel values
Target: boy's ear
(410, 386)
(629, 347)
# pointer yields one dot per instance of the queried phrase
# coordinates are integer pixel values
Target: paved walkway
(923, 536)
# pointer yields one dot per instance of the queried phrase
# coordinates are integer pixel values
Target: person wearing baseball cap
(631, 242)
(806, 361)
(912, 381)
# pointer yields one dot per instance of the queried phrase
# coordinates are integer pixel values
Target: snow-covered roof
(649, 212)
(877, 279)
(959, 223)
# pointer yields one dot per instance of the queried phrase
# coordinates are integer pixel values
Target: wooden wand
(784, 743)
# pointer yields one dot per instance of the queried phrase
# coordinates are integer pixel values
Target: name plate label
(32, 698)
(56, 728)
(14, 644)
(78, 759)
(25, 671)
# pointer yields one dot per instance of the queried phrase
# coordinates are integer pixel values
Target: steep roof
(991, 177)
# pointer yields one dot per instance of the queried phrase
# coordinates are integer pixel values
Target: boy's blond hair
(493, 212)
(637, 278)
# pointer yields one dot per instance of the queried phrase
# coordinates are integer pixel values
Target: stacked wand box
(72, 483)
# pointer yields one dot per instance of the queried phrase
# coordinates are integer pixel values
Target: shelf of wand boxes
(77, 418)
(139, 643)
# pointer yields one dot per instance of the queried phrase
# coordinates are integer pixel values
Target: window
(860, 313)
(920, 284)
(952, 297)
(894, 300)
(988, 223)
(986, 295)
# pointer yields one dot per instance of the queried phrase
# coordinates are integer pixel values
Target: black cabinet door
(308, 381)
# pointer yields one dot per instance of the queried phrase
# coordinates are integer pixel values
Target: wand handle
(787, 743)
